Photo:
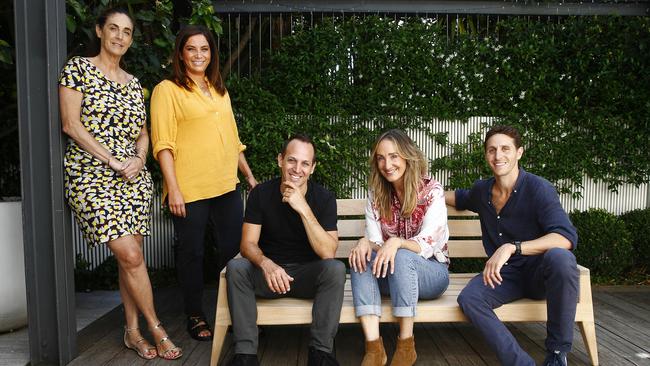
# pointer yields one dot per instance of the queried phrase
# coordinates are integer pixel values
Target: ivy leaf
(161, 42)
(5, 56)
(70, 23)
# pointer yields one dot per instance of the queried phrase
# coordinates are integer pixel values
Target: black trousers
(222, 214)
(321, 280)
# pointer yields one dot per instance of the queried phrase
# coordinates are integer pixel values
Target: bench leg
(588, 330)
(219, 335)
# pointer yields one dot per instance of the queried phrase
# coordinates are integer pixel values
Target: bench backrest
(464, 229)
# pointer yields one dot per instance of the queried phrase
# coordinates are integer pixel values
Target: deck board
(622, 326)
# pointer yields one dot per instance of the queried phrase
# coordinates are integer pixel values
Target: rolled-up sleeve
(373, 226)
(434, 233)
(551, 216)
(463, 199)
(163, 120)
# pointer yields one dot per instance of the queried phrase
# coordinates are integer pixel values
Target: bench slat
(355, 228)
(457, 248)
(357, 207)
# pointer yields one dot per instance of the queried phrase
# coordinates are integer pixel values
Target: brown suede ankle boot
(375, 353)
(405, 352)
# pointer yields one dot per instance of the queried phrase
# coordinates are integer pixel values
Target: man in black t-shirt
(289, 239)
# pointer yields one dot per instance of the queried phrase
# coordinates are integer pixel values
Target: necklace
(205, 90)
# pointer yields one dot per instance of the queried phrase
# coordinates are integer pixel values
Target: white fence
(159, 246)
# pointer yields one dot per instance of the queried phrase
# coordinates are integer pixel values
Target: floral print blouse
(427, 225)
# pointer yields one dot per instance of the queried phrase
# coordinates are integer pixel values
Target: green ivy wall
(578, 89)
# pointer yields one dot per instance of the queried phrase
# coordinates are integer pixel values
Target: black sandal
(196, 325)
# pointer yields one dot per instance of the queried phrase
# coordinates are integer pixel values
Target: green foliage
(203, 13)
(637, 223)
(153, 39)
(467, 265)
(577, 89)
(103, 277)
(604, 244)
(5, 52)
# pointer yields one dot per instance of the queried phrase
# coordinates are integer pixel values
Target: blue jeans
(414, 278)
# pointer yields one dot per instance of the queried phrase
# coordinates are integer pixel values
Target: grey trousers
(322, 280)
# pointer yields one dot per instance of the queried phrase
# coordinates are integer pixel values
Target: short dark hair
(504, 130)
(300, 137)
(179, 74)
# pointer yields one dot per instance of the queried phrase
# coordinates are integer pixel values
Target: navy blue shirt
(532, 211)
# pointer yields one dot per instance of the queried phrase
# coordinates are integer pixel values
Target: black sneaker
(555, 358)
(240, 359)
(320, 358)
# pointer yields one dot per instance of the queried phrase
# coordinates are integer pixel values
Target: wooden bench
(465, 231)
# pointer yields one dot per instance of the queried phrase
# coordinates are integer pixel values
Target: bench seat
(465, 231)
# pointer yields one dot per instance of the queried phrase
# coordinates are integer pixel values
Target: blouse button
(498, 217)
(500, 234)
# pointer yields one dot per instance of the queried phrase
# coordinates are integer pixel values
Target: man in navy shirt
(529, 240)
(289, 240)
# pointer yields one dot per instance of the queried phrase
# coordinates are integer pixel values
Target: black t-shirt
(283, 238)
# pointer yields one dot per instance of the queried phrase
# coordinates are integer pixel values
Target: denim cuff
(404, 311)
(367, 310)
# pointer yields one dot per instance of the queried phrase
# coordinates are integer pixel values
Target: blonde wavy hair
(416, 169)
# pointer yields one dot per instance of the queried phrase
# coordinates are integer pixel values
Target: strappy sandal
(167, 354)
(196, 325)
(141, 346)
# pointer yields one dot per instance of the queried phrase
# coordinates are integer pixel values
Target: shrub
(637, 223)
(604, 244)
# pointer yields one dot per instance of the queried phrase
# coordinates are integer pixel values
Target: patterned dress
(106, 205)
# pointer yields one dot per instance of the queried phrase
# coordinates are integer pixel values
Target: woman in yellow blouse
(195, 140)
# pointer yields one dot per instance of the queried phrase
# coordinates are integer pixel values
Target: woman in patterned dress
(107, 185)
(404, 251)
(195, 140)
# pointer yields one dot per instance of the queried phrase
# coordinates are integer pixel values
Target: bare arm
(276, 277)
(70, 105)
(133, 165)
(323, 242)
(242, 164)
(544, 243)
(492, 271)
(450, 198)
(175, 199)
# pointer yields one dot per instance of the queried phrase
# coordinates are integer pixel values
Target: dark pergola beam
(49, 267)
(436, 7)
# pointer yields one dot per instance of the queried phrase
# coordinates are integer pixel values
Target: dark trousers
(322, 280)
(552, 276)
(223, 215)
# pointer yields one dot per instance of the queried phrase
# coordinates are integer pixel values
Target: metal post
(49, 267)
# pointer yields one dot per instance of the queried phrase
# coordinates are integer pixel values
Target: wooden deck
(622, 326)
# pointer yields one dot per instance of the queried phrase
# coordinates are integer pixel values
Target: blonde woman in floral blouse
(404, 251)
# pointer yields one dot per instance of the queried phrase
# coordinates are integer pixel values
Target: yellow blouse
(202, 136)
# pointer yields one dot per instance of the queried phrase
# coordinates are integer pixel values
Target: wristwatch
(517, 244)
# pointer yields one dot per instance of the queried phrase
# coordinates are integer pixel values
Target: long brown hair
(416, 169)
(179, 74)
